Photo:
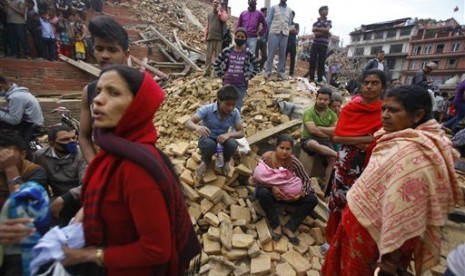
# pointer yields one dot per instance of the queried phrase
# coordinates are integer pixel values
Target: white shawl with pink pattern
(407, 189)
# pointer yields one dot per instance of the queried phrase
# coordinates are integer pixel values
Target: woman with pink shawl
(281, 177)
(396, 207)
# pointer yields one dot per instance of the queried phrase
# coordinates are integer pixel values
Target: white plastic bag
(58, 270)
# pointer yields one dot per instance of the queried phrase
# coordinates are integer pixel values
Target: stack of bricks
(232, 227)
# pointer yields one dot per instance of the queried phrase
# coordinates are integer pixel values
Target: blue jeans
(276, 41)
(18, 39)
(242, 92)
(207, 147)
(252, 44)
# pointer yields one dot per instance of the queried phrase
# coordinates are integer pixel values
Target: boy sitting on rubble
(212, 122)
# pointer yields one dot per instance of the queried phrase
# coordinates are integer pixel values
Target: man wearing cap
(320, 45)
(279, 21)
(420, 76)
(214, 34)
(251, 20)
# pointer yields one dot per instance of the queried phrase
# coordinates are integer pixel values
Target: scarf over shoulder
(358, 119)
(406, 191)
(133, 139)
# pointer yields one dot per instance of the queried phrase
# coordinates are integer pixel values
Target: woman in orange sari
(356, 124)
(395, 208)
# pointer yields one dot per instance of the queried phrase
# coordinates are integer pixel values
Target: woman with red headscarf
(356, 124)
(135, 219)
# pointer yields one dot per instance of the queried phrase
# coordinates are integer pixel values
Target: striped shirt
(322, 39)
(251, 65)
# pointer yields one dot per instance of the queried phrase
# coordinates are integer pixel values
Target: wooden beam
(174, 48)
(271, 131)
(168, 65)
(154, 70)
(81, 65)
(166, 54)
(178, 43)
(145, 40)
(187, 47)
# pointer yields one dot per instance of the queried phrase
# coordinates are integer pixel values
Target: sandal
(201, 170)
(276, 236)
(225, 170)
(294, 240)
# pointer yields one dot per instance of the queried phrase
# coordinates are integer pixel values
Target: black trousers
(292, 50)
(262, 47)
(317, 61)
(304, 206)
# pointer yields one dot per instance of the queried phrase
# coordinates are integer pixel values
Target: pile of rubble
(230, 224)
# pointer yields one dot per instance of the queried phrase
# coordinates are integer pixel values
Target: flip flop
(276, 236)
(294, 240)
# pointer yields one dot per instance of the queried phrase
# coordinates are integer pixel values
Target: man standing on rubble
(111, 46)
(214, 35)
(279, 21)
(251, 20)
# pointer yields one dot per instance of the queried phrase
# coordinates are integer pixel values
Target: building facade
(391, 36)
(442, 42)
(409, 44)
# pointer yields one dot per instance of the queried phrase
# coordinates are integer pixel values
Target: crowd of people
(389, 176)
(44, 29)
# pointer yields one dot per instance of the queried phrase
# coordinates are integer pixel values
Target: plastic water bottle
(219, 156)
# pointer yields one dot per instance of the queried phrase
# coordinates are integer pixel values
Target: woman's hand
(56, 206)
(277, 193)
(363, 146)
(14, 230)
(79, 217)
(78, 256)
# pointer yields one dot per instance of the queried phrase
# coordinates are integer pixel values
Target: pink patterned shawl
(406, 191)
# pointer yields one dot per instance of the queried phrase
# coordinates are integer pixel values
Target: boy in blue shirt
(212, 122)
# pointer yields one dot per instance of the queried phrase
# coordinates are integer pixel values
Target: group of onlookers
(44, 29)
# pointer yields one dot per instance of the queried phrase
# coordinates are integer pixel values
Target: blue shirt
(211, 118)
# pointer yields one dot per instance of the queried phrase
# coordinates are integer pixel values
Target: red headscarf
(134, 138)
(358, 119)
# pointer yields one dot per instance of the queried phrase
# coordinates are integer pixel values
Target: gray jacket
(22, 106)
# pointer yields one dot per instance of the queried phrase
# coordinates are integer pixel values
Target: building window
(359, 51)
(413, 65)
(356, 38)
(397, 48)
(427, 49)
(416, 50)
(439, 48)
(391, 63)
(405, 32)
(367, 36)
(379, 35)
(375, 50)
(452, 63)
(455, 47)
(391, 33)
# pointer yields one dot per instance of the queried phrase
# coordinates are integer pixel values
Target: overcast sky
(347, 15)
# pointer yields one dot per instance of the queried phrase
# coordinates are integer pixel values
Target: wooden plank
(183, 73)
(271, 131)
(157, 72)
(166, 54)
(168, 64)
(81, 65)
(174, 48)
(145, 40)
(178, 43)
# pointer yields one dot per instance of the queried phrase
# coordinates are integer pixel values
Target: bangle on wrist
(99, 256)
